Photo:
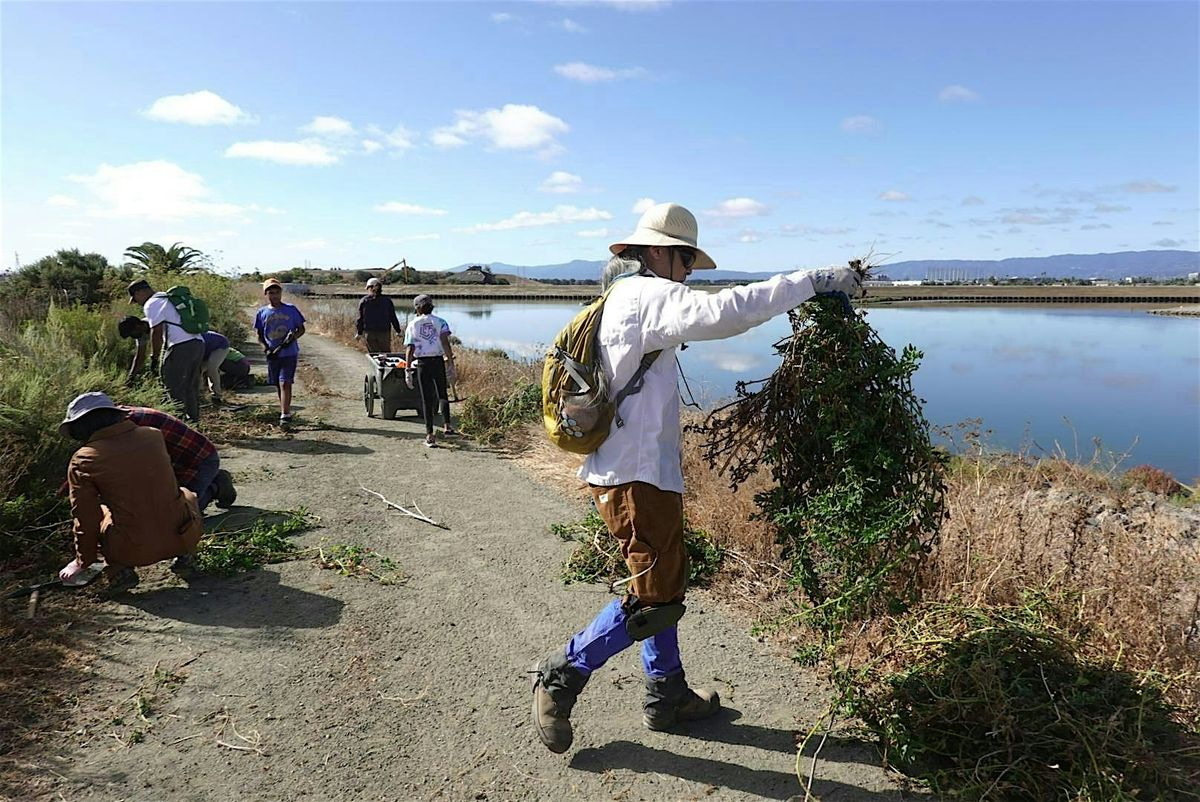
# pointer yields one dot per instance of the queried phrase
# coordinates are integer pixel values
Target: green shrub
(488, 420)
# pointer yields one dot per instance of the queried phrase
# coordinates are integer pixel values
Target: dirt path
(294, 682)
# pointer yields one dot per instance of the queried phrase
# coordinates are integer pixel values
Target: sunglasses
(686, 255)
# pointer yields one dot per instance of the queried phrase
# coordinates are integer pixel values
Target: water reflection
(1036, 376)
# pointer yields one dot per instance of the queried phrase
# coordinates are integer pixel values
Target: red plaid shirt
(186, 446)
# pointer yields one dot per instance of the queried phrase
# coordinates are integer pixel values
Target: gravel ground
(294, 682)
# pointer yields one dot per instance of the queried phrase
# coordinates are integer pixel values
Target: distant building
(475, 274)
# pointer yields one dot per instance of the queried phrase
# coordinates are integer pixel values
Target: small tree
(179, 258)
(67, 277)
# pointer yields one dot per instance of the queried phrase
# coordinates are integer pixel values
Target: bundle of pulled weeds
(857, 490)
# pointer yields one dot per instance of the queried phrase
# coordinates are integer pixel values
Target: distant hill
(1155, 264)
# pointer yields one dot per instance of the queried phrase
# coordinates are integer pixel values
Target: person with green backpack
(630, 433)
(177, 321)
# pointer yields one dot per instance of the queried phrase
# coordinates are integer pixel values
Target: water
(1046, 379)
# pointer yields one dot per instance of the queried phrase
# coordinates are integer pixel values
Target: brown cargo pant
(648, 523)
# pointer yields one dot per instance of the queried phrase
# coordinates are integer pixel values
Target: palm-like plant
(151, 256)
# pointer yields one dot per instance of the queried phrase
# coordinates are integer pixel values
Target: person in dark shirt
(377, 318)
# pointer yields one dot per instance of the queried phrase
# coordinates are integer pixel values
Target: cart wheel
(369, 394)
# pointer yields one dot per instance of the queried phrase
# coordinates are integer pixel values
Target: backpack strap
(633, 386)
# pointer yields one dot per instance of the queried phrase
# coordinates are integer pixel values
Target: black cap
(134, 286)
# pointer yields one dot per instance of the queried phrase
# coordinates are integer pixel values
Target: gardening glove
(69, 572)
(410, 378)
(451, 371)
(837, 280)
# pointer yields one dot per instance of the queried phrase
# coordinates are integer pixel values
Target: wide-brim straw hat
(667, 224)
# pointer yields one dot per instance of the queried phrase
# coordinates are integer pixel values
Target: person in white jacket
(636, 477)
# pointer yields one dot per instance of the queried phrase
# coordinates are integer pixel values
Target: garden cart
(385, 381)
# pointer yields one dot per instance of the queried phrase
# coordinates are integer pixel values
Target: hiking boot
(224, 491)
(120, 580)
(669, 701)
(556, 685)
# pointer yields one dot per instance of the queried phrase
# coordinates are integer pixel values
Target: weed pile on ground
(224, 552)
(999, 703)
(355, 559)
(598, 556)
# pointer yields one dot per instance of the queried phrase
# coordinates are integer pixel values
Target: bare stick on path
(415, 512)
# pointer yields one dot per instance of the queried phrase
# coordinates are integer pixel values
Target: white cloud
(642, 204)
(1146, 187)
(328, 126)
(399, 138)
(793, 230)
(197, 108)
(571, 26)
(860, 124)
(513, 127)
(560, 214)
(409, 238)
(972, 200)
(594, 232)
(371, 146)
(955, 93)
(591, 74)
(1108, 208)
(750, 235)
(562, 183)
(61, 201)
(738, 207)
(307, 152)
(501, 17)
(309, 245)
(395, 207)
(1170, 243)
(894, 195)
(153, 190)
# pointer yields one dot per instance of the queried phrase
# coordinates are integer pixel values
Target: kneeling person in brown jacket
(125, 500)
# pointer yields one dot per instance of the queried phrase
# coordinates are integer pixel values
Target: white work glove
(834, 280)
(70, 571)
(451, 371)
(410, 378)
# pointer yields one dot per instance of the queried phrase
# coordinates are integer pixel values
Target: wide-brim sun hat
(667, 224)
(82, 405)
(421, 300)
(374, 282)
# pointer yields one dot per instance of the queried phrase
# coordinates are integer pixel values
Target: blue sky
(801, 134)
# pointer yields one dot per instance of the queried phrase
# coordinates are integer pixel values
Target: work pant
(202, 482)
(379, 342)
(648, 524)
(431, 381)
(181, 375)
(210, 370)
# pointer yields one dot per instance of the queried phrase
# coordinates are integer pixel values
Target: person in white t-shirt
(427, 350)
(184, 351)
(635, 475)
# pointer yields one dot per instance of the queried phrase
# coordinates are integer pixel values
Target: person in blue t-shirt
(216, 348)
(279, 326)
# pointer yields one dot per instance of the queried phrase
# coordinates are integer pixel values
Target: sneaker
(284, 420)
(430, 442)
(449, 432)
(225, 493)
